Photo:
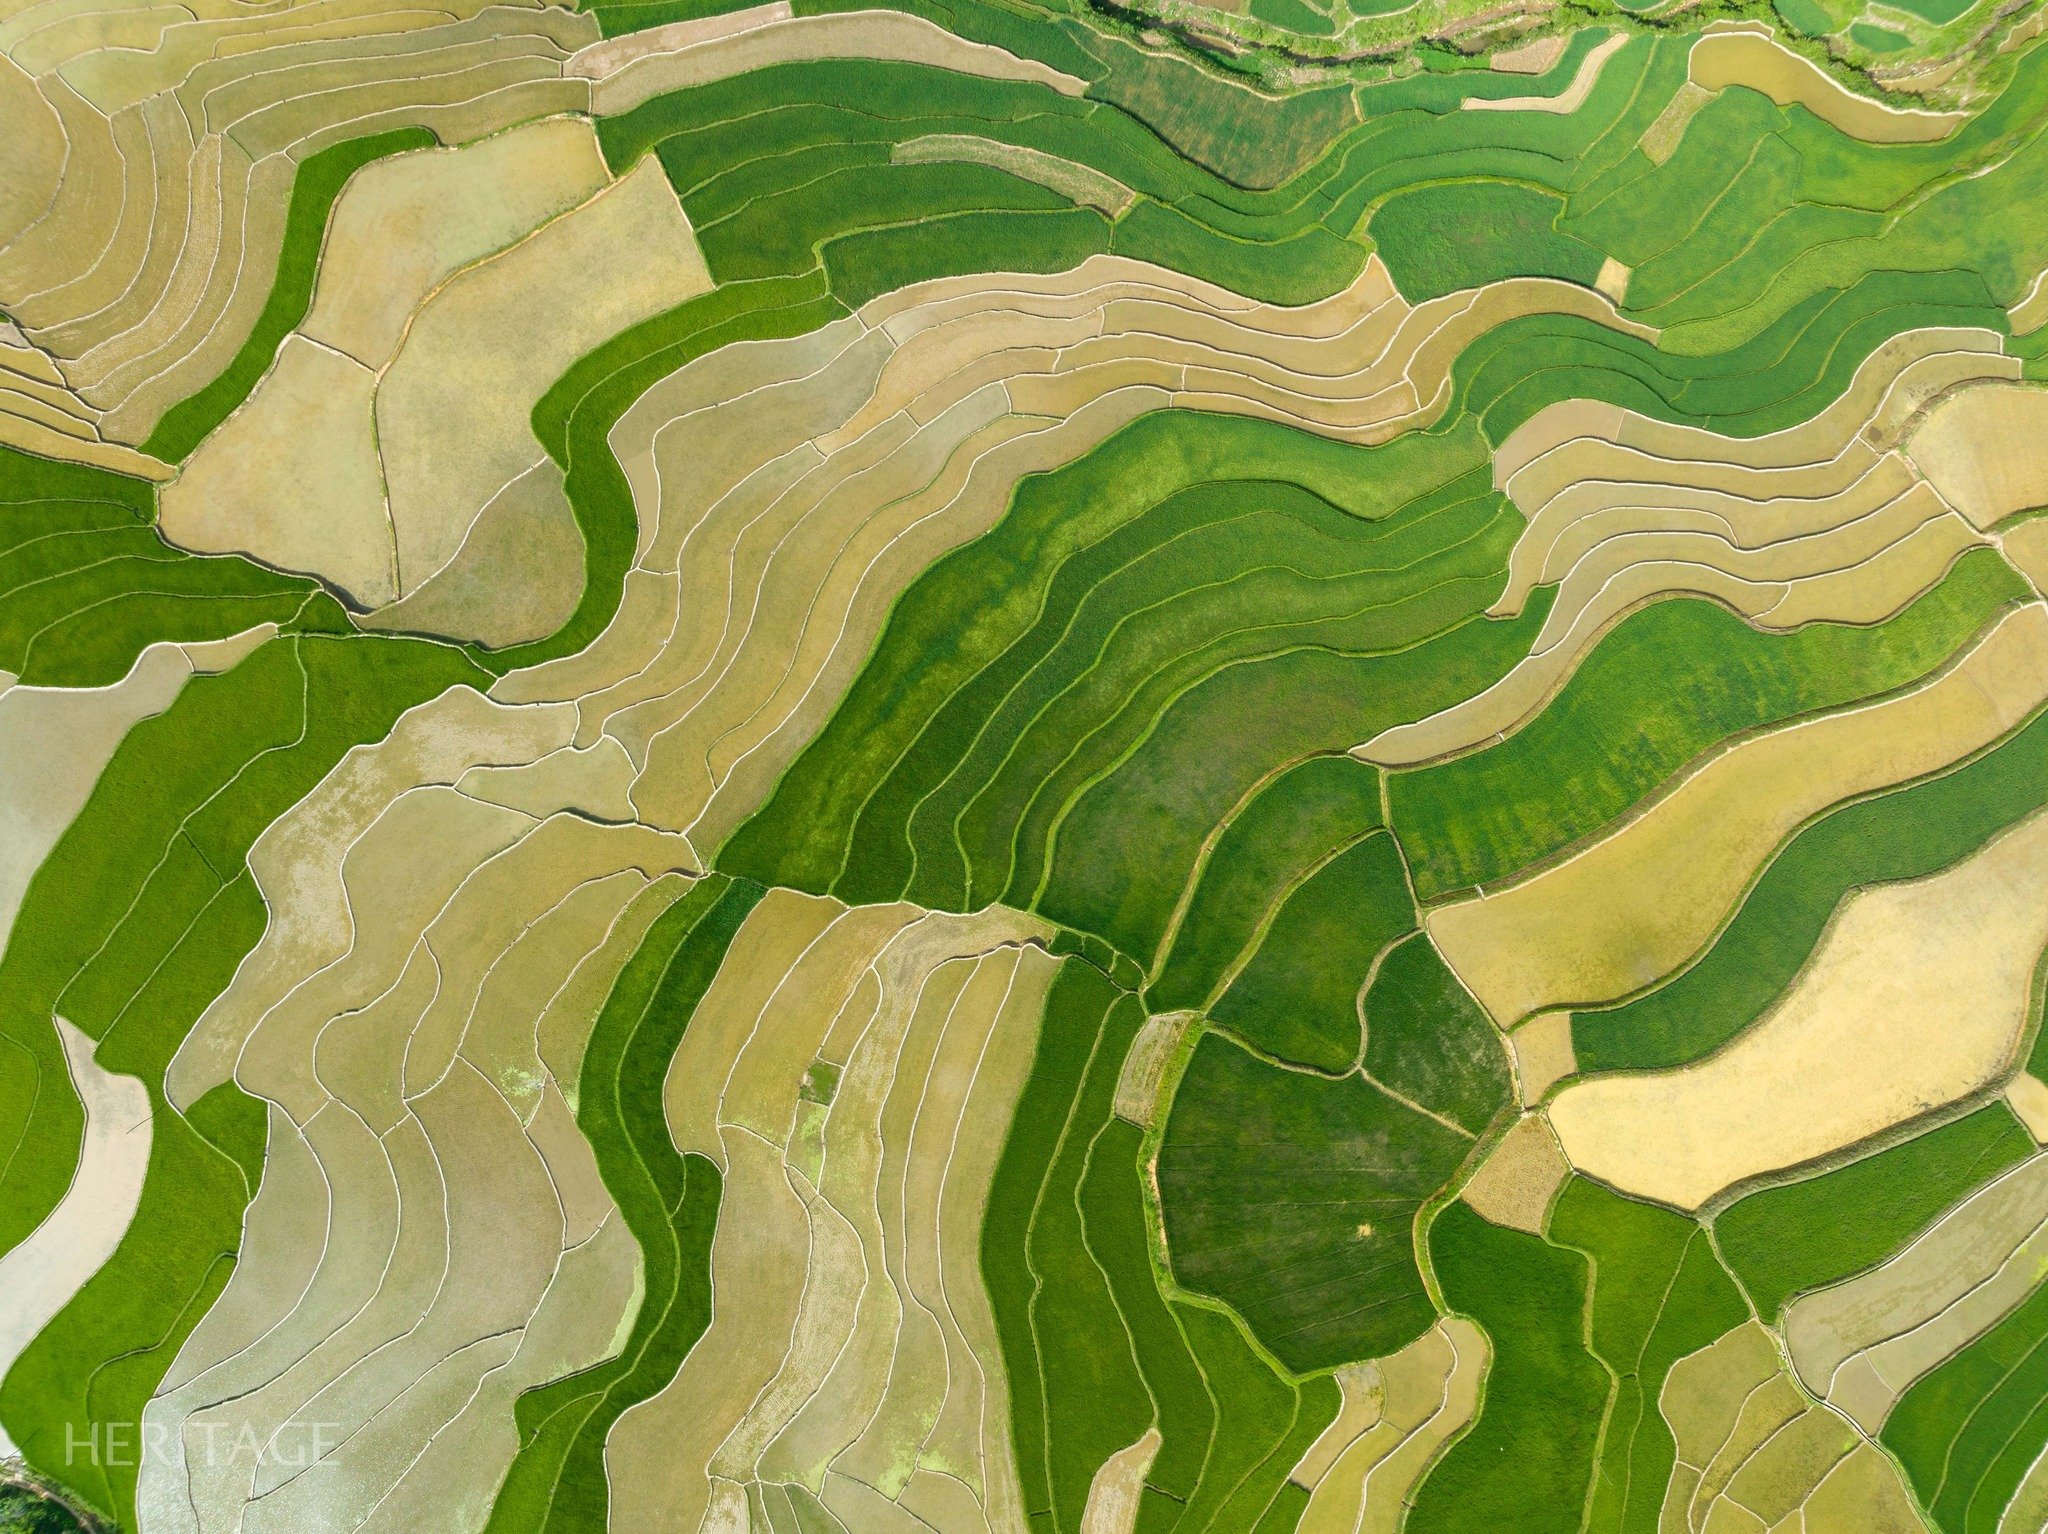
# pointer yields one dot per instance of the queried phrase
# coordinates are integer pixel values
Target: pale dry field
(1080, 183)
(1112, 1506)
(147, 211)
(390, 450)
(1981, 449)
(431, 1235)
(1535, 57)
(1917, 995)
(2031, 312)
(1861, 1343)
(1570, 99)
(404, 226)
(1515, 1184)
(1543, 1054)
(2026, 546)
(1144, 1071)
(1399, 1414)
(2027, 1096)
(1634, 905)
(851, 1349)
(1753, 1454)
(39, 1277)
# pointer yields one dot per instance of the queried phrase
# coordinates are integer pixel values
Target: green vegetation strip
(1584, 1328)
(1298, 997)
(86, 581)
(1607, 739)
(1726, 238)
(1094, 1354)
(669, 1200)
(1527, 1462)
(1783, 1241)
(1659, 1293)
(1426, 1038)
(1969, 1432)
(1147, 635)
(1464, 234)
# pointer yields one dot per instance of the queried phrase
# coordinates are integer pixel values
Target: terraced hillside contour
(1023, 768)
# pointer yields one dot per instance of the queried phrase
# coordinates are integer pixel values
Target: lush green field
(1465, 234)
(1428, 1040)
(86, 581)
(1527, 1462)
(1292, 1197)
(1969, 1432)
(1298, 996)
(1262, 851)
(1659, 1293)
(1095, 1353)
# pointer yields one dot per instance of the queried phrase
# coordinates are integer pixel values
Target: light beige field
(1543, 1054)
(1753, 1454)
(869, 1367)
(1535, 57)
(1917, 995)
(1824, 521)
(1980, 448)
(40, 1276)
(1515, 1184)
(1079, 183)
(453, 409)
(1398, 1415)
(390, 451)
(1570, 99)
(1112, 1506)
(1755, 59)
(1860, 1343)
(1660, 140)
(424, 944)
(293, 478)
(55, 742)
(1137, 1085)
(517, 576)
(2027, 1095)
(2026, 546)
(140, 229)
(1638, 903)
(404, 226)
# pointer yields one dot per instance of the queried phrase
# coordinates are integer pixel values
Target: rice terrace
(1023, 766)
